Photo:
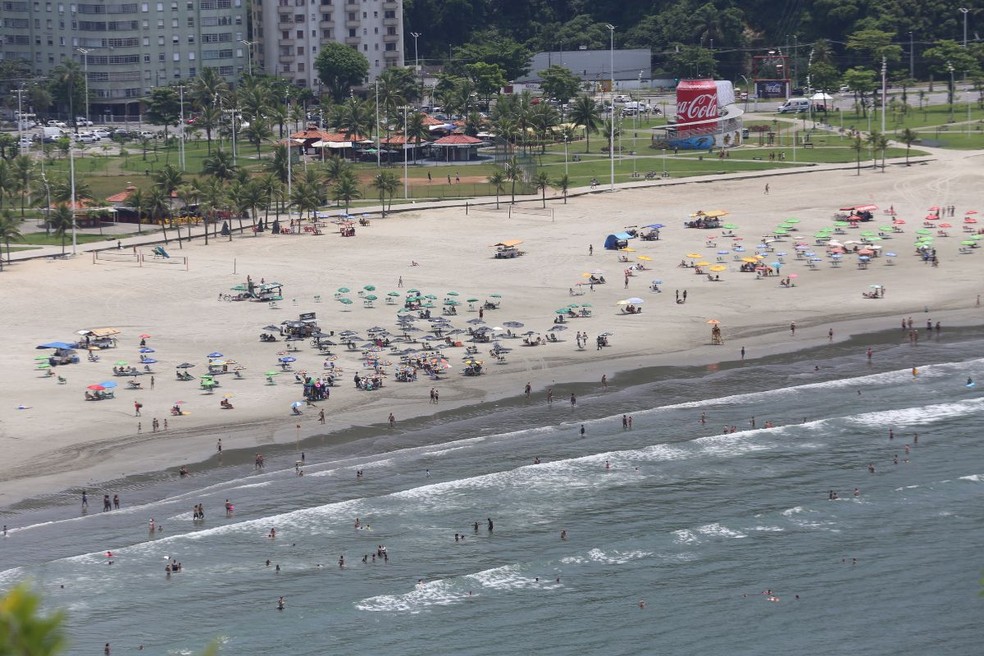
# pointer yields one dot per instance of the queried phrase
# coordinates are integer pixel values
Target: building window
(352, 32)
(300, 67)
(300, 34)
(175, 39)
(160, 6)
(191, 57)
(174, 23)
(300, 50)
(192, 72)
(160, 40)
(176, 56)
(146, 59)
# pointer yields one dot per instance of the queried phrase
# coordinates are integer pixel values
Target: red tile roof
(457, 140)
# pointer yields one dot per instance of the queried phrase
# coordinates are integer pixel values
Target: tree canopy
(340, 68)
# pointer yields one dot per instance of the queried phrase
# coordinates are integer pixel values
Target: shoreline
(59, 442)
(353, 439)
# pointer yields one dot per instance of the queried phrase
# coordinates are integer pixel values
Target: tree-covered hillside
(689, 34)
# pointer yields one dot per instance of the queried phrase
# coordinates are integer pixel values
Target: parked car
(794, 105)
(83, 122)
(57, 124)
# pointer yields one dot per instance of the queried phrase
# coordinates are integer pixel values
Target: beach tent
(56, 345)
(617, 240)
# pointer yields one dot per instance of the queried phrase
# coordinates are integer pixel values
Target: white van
(794, 105)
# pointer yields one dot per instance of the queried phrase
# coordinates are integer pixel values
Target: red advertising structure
(771, 75)
(706, 116)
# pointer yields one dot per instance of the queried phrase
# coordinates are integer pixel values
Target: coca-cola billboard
(697, 101)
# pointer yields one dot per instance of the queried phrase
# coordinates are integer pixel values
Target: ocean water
(697, 523)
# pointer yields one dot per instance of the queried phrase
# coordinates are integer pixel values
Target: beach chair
(62, 380)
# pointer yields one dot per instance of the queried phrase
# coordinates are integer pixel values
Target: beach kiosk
(507, 249)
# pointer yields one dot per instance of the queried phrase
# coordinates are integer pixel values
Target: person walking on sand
(766, 188)
(604, 381)
(792, 328)
(392, 420)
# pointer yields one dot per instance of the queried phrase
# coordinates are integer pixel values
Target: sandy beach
(54, 439)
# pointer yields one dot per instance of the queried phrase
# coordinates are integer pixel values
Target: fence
(129, 256)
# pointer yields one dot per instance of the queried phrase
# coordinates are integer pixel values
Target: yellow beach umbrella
(703, 263)
(750, 260)
(695, 255)
(645, 258)
(718, 268)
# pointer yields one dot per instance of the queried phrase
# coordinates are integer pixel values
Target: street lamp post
(884, 90)
(949, 67)
(181, 135)
(965, 11)
(85, 72)
(406, 172)
(378, 164)
(611, 136)
(912, 59)
(249, 56)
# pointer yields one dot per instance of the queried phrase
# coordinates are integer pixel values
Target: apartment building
(127, 48)
(287, 35)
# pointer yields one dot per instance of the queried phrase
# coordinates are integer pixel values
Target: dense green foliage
(732, 29)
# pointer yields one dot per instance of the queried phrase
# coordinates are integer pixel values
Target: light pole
(85, 71)
(249, 56)
(965, 11)
(20, 118)
(611, 94)
(377, 124)
(416, 63)
(406, 172)
(181, 135)
(912, 59)
(949, 67)
(290, 157)
(748, 89)
(884, 71)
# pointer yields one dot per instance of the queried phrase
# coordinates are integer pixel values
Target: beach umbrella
(272, 372)
(369, 288)
(41, 357)
(587, 305)
(430, 297)
(945, 225)
(122, 363)
(702, 263)
(214, 354)
(345, 301)
(371, 297)
(841, 224)
(970, 220)
(495, 295)
(717, 268)
(791, 220)
(451, 302)
(288, 358)
(475, 322)
(559, 328)
(185, 365)
(297, 404)
(471, 300)
(713, 322)
(891, 254)
(562, 311)
(794, 275)
(657, 281)
(513, 324)
(145, 336)
(109, 384)
(148, 361)
(923, 231)
(646, 258)
(730, 226)
(694, 255)
(780, 231)
(43, 365)
(635, 300)
(343, 290)
(147, 349)
(884, 228)
(898, 221)
(96, 387)
(452, 294)
(393, 294)
(968, 242)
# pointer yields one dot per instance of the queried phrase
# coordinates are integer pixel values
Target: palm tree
(497, 180)
(61, 220)
(138, 202)
(25, 630)
(512, 172)
(9, 231)
(157, 204)
(584, 112)
(268, 188)
(219, 165)
(874, 138)
(908, 136)
(255, 197)
(213, 197)
(542, 181)
(209, 119)
(258, 132)
(386, 183)
(169, 178)
(563, 183)
(8, 181)
(346, 188)
(543, 118)
(23, 167)
(611, 132)
(416, 130)
(354, 118)
(239, 200)
(208, 88)
(335, 168)
(857, 145)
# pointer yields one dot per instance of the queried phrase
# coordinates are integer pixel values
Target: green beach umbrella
(370, 288)
(924, 231)
(345, 301)
(430, 297)
(780, 231)
(495, 295)
(343, 290)
(41, 357)
(472, 300)
(452, 293)
(561, 311)
(44, 365)
(394, 294)
(585, 305)
(885, 228)
(841, 224)
(429, 305)
(792, 220)
(730, 226)
(371, 297)
(122, 363)
(968, 242)
(412, 291)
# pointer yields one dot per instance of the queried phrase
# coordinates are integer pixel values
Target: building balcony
(391, 38)
(350, 24)
(286, 59)
(391, 22)
(390, 4)
(352, 40)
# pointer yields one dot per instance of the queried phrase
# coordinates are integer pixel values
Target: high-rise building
(126, 48)
(287, 35)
